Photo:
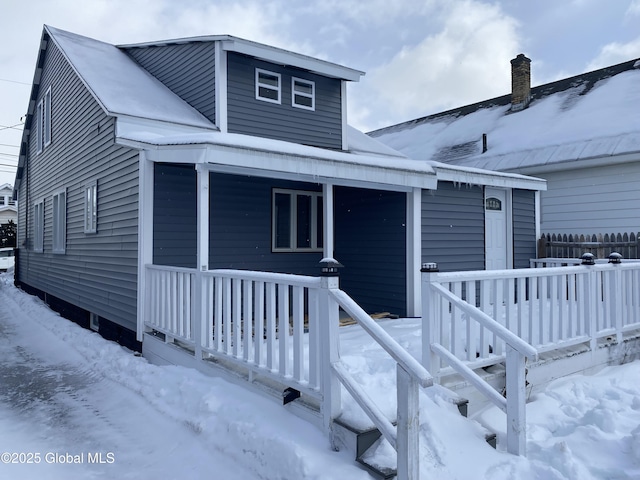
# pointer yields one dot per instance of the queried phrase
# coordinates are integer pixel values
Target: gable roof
(120, 85)
(577, 119)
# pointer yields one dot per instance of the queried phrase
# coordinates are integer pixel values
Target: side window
(91, 207)
(59, 222)
(297, 222)
(268, 86)
(38, 226)
(43, 121)
(303, 93)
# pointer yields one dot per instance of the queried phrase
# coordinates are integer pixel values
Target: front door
(495, 227)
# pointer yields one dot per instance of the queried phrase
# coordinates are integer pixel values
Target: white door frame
(508, 208)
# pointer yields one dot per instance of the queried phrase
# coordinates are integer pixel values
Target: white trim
(90, 210)
(38, 226)
(538, 219)
(145, 235)
(490, 178)
(203, 217)
(59, 221)
(343, 106)
(265, 52)
(293, 220)
(295, 93)
(510, 239)
(221, 87)
(47, 117)
(414, 251)
(327, 206)
(267, 86)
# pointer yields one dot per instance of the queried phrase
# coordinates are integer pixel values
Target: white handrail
(386, 341)
(371, 409)
(489, 323)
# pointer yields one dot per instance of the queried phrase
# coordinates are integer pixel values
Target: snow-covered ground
(68, 394)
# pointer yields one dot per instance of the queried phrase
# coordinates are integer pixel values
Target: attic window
(43, 119)
(303, 93)
(268, 86)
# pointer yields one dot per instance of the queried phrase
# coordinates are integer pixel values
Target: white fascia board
(284, 57)
(603, 161)
(128, 127)
(245, 161)
(475, 176)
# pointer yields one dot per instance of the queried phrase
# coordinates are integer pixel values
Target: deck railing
(481, 318)
(258, 322)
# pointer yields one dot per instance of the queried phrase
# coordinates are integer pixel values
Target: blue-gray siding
(370, 241)
(524, 227)
(98, 272)
(453, 227)
(175, 229)
(246, 114)
(187, 69)
(240, 226)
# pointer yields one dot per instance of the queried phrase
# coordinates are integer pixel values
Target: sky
(66, 390)
(420, 57)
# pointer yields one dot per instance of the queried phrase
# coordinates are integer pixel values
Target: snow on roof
(585, 119)
(120, 84)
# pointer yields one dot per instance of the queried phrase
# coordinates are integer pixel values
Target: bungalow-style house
(8, 208)
(581, 134)
(217, 152)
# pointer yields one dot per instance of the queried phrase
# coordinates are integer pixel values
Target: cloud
(634, 9)
(614, 53)
(466, 61)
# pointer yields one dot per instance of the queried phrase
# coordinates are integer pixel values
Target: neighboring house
(8, 208)
(581, 134)
(218, 152)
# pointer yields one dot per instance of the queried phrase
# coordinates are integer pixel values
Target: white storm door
(495, 229)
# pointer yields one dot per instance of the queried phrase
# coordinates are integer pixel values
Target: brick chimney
(520, 82)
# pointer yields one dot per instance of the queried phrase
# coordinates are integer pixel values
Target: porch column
(145, 236)
(414, 251)
(202, 254)
(327, 207)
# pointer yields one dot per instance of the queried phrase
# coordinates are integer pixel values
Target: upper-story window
(43, 121)
(303, 93)
(268, 86)
(1, 201)
(91, 207)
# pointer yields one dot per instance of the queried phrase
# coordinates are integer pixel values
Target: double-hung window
(303, 93)
(91, 207)
(38, 226)
(59, 205)
(43, 121)
(296, 221)
(268, 86)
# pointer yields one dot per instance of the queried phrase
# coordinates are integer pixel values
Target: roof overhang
(265, 52)
(247, 155)
(490, 178)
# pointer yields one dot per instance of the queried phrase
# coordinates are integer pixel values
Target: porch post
(145, 238)
(430, 320)
(414, 250)
(327, 207)
(516, 402)
(202, 256)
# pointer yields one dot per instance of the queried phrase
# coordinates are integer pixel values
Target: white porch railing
(258, 321)
(481, 318)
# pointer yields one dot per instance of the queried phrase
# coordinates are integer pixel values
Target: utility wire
(7, 145)
(14, 81)
(4, 127)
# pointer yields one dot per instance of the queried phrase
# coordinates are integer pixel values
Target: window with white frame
(43, 121)
(59, 222)
(268, 86)
(303, 93)
(297, 221)
(47, 118)
(91, 207)
(38, 226)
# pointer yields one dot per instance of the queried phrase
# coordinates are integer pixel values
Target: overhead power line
(14, 81)
(5, 127)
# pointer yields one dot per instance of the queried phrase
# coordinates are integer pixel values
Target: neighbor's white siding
(592, 200)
